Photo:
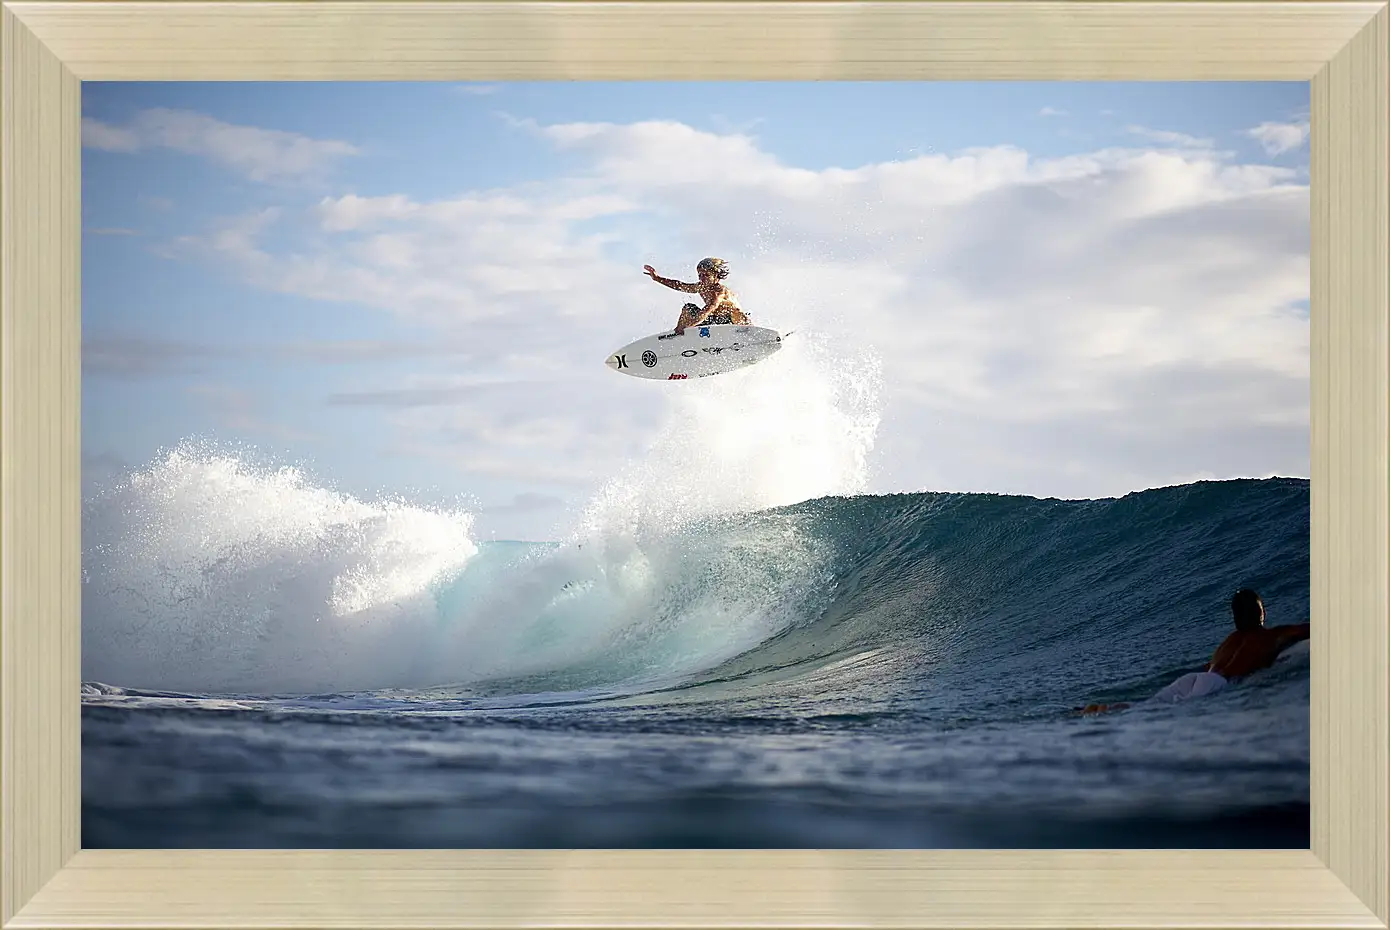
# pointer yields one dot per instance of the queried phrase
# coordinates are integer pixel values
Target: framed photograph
(695, 463)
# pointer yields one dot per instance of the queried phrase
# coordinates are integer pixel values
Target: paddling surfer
(1251, 647)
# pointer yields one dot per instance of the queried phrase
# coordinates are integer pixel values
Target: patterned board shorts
(717, 317)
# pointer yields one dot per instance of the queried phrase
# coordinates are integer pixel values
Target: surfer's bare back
(721, 306)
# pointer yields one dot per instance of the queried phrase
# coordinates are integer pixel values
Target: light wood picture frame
(48, 48)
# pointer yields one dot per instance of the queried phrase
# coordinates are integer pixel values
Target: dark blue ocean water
(875, 671)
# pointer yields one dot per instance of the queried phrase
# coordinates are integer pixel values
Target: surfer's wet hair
(716, 266)
(1247, 609)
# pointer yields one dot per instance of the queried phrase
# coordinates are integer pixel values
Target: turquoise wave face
(974, 604)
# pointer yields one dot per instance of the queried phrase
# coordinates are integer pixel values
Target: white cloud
(108, 138)
(259, 154)
(1068, 326)
(1278, 138)
(1168, 137)
(528, 430)
(477, 90)
(1052, 111)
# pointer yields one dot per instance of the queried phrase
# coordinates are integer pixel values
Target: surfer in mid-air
(721, 306)
(1251, 647)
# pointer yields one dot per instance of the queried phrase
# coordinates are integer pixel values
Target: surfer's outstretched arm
(670, 282)
(1291, 634)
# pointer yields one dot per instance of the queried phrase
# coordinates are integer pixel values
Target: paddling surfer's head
(1248, 612)
(712, 270)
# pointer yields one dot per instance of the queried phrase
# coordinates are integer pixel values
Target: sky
(1069, 290)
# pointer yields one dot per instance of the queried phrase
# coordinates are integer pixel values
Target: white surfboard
(699, 352)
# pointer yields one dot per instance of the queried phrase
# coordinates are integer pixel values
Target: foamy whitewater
(731, 645)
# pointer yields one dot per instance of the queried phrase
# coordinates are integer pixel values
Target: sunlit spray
(205, 572)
